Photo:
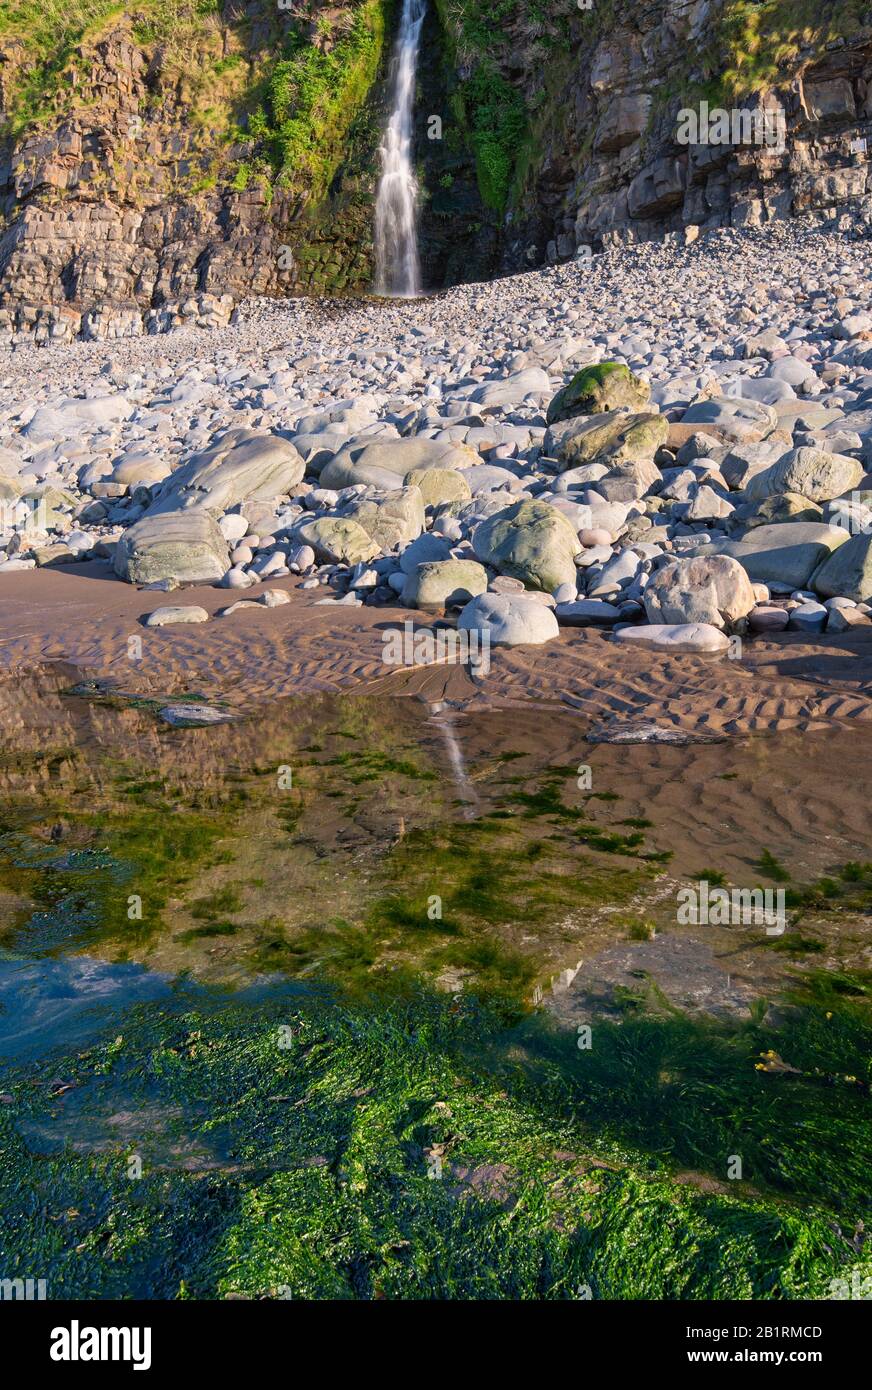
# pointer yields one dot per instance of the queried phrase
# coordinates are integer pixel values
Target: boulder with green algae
(337, 539)
(185, 545)
(439, 485)
(780, 507)
(395, 518)
(437, 584)
(612, 438)
(602, 387)
(530, 541)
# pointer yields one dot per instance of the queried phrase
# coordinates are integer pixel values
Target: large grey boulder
(140, 471)
(427, 548)
(395, 518)
(847, 573)
(183, 545)
(510, 620)
(613, 438)
(337, 540)
(730, 419)
(786, 552)
(512, 390)
(530, 541)
(743, 461)
(629, 481)
(713, 589)
(436, 584)
(241, 465)
(385, 463)
(812, 473)
(598, 388)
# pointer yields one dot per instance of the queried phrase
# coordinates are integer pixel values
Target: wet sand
(83, 616)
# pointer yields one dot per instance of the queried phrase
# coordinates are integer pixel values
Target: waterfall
(398, 270)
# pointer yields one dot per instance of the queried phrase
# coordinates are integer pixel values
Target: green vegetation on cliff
(760, 40)
(42, 39)
(314, 92)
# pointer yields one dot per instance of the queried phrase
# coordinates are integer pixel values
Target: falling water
(398, 270)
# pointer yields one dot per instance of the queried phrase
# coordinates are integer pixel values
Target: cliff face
(158, 165)
(610, 162)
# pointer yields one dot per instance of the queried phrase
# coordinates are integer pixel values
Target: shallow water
(352, 839)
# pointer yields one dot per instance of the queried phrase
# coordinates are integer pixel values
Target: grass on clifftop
(50, 33)
(303, 91)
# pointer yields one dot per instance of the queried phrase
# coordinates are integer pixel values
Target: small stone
(164, 617)
(189, 716)
(676, 637)
(808, 617)
(765, 619)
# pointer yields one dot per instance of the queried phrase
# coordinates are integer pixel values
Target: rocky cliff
(159, 164)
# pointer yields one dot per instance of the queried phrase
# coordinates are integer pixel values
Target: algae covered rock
(439, 485)
(183, 545)
(599, 388)
(530, 541)
(338, 540)
(778, 507)
(437, 584)
(612, 438)
(395, 518)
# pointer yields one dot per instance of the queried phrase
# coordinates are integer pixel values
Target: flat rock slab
(701, 638)
(194, 716)
(164, 617)
(587, 612)
(685, 970)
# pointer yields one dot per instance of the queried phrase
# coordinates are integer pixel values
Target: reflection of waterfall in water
(441, 717)
(398, 270)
